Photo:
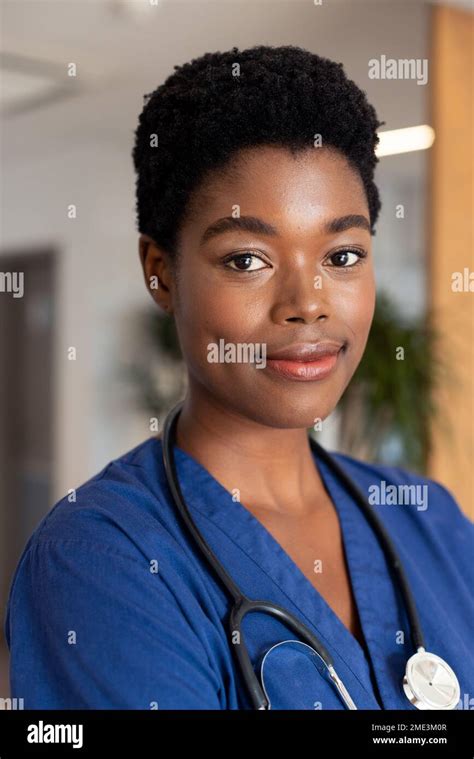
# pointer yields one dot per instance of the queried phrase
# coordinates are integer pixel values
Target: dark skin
(245, 425)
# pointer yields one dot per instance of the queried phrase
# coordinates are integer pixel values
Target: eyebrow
(258, 226)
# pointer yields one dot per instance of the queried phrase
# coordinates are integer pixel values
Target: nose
(301, 297)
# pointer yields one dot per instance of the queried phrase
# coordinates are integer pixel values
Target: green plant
(155, 370)
(386, 410)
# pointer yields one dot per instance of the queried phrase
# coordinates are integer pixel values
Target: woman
(256, 206)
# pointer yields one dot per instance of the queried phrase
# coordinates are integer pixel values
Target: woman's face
(241, 282)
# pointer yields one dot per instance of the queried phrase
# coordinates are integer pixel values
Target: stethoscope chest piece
(430, 683)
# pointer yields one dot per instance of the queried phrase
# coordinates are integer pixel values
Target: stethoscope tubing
(243, 605)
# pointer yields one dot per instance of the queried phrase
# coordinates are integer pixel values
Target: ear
(157, 272)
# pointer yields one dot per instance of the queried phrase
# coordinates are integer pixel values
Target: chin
(288, 412)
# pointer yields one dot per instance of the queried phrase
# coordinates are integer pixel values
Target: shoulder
(111, 550)
(119, 518)
(113, 507)
(404, 484)
(410, 502)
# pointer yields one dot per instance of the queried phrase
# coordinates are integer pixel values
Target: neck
(272, 468)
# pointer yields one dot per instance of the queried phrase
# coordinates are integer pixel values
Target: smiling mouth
(317, 367)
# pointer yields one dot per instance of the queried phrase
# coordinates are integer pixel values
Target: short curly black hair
(219, 103)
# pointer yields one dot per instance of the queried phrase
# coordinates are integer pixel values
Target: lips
(306, 352)
(305, 362)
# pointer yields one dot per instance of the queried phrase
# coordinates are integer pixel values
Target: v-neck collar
(372, 586)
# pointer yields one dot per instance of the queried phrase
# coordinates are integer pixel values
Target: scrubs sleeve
(91, 627)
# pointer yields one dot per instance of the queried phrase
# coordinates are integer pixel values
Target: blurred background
(68, 140)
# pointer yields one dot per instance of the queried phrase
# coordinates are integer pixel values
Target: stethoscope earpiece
(430, 683)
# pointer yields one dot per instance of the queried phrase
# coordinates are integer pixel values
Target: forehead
(317, 184)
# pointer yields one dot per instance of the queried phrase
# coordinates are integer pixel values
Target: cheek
(355, 306)
(208, 312)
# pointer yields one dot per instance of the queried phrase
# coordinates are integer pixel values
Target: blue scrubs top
(113, 607)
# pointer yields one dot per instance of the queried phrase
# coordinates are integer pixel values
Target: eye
(346, 258)
(243, 262)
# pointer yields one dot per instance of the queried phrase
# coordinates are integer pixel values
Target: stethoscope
(429, 682)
